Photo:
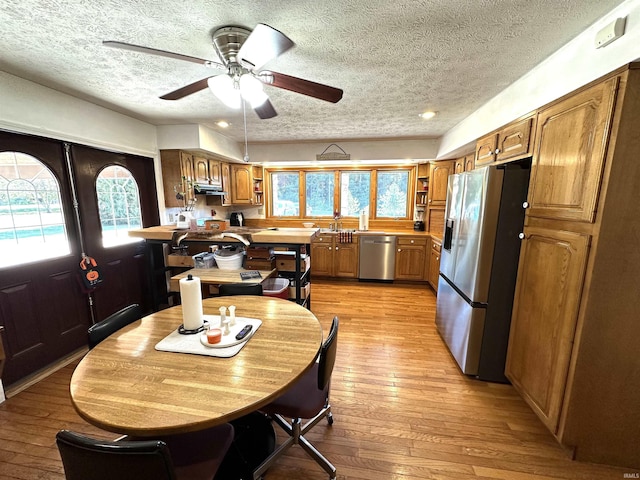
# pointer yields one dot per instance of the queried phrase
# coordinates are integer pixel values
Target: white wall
(574, 65)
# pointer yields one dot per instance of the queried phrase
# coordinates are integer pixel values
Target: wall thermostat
(611, 32)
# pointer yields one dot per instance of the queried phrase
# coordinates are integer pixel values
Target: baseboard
(35, 377)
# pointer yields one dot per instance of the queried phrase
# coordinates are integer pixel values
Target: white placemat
(178, 343)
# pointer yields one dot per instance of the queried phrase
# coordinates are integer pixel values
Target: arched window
(118, 205)
(32, 224)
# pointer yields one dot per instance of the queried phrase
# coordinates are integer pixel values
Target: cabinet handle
(329, 248)
(497, 151)
(337, 248)
(525, 205)
(437, 258)
(411, 241)
(429, 200)
(399, 249)
(522, 236)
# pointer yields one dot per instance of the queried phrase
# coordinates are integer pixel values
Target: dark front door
(43, 306)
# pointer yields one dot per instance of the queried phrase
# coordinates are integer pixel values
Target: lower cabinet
(410, 257)
(550, 279)
(434, 263)
(332, 258)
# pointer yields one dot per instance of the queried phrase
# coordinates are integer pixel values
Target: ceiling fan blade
(161, 53)
(263, 44)
(187, 90)
(299, 85)
(266, 110)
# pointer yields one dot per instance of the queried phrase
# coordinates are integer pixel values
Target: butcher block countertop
(253, 235)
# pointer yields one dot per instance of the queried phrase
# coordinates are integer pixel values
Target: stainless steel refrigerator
(478, 265)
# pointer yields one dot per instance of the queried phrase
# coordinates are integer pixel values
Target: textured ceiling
(393, 60)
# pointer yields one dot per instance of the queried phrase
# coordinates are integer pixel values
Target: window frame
(337, 191)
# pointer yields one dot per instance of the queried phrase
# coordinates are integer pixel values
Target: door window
(118, 205)
(32, 223)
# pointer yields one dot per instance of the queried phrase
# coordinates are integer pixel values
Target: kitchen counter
(253, 235)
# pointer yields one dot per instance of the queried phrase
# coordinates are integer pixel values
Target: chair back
(85, 458)
(113, 323)
(240, 288)
(328, 355)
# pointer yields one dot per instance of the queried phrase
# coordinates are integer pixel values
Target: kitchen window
(343, 191)
(285, 188)
(118, 205)
(32, 223)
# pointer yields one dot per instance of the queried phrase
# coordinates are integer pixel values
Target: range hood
(209, 189)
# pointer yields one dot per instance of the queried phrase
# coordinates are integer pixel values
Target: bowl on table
(308, 224)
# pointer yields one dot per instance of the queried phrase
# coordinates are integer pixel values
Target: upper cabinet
(178, 176)
(569, 154)
(438, 180)
(241, 184)
(207, 171)
(464, 164)
(511, 142)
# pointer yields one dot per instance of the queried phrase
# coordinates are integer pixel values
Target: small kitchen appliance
(236, 219)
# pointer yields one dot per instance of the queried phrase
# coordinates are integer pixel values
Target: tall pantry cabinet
(573, 348)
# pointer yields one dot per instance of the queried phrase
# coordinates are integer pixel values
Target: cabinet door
(568, 160)
(458, 165)
(201, 170)
(241, 185)
(410, 258)
(438, 180)
(188, 175)
(215, 173)
(513, 140)
(225, 174)
(434, 265)
(469, 163)
(322, 259)
(345, 260)
(485, 150)
(548, 291)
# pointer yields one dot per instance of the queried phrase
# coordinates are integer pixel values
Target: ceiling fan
(243, 52)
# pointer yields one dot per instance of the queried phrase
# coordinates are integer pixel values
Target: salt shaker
(232, 315)
(223, 316)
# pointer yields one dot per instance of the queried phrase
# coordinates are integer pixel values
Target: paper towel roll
(363, 223)
(191, 297)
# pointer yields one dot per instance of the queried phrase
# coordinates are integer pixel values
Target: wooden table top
(217, 276)
(126, 386)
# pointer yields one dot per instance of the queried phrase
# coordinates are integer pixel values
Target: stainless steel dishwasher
(377, 257)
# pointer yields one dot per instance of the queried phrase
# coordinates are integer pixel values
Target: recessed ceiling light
(427, 115)
(223, 124)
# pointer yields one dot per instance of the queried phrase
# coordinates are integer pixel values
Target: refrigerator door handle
(448, 234)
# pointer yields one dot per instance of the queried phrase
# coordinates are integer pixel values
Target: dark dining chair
(113, 323)
(240, 289)
(308, 399)
(192, 456)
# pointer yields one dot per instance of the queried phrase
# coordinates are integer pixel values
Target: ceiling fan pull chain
(244, 116)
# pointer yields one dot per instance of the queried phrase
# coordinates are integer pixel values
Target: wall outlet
(611, 32)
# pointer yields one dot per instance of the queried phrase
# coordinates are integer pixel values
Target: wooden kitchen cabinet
(512, 142)
(438, 181)
(574, 336)
(410, 257)
(331, 258)
(207, 171)
(178, 176)
(241, 184)
(257, 173)
(570, 152)
(551, 276)
(434, 263)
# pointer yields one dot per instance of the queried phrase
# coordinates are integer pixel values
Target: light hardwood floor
(402, 409)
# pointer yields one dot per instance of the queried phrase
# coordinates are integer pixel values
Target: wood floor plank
(402, 409)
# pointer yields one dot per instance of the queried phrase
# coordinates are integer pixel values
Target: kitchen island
(162, 239)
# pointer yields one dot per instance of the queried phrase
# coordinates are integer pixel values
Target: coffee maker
(236, 219)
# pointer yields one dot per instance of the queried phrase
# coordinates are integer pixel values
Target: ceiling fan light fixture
(252, 90)
(222, 87)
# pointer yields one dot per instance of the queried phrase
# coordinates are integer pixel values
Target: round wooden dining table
(125, 385)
